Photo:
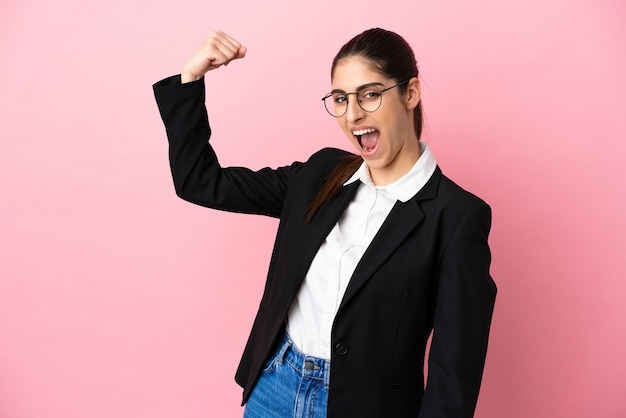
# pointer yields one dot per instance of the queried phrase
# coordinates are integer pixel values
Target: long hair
(391, 56)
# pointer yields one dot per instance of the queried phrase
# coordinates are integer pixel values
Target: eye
(369, 95)
(339, 98)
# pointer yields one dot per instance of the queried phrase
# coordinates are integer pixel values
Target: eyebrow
(361, 87)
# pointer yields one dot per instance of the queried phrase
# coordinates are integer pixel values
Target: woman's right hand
(217, 49)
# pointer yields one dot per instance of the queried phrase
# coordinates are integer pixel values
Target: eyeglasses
(369, 97)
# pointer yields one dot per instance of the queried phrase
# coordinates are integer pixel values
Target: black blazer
(426, 269)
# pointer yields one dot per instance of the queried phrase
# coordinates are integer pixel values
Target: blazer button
(342, 349)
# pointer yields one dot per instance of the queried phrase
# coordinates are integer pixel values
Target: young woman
(374, 250)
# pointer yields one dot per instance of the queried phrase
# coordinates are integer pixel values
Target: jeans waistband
(309, 366)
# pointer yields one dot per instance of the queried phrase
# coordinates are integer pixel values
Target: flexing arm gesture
(217, 49)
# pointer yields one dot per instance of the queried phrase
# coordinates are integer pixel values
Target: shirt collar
(406, 186)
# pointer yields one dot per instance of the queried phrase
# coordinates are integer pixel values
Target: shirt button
(342, 349)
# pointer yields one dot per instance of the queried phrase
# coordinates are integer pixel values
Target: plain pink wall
(119, 300)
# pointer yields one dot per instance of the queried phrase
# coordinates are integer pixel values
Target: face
(384, 138)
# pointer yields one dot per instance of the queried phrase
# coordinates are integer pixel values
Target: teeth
(363, 131)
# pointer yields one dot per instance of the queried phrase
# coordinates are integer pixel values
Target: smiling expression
(385, 138)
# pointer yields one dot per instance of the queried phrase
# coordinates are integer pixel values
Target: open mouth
(368, 138)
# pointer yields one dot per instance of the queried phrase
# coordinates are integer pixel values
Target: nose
(354, 111)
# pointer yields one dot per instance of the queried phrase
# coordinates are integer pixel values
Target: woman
(374, 250)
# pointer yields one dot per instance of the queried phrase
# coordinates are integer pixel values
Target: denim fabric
(292, 384)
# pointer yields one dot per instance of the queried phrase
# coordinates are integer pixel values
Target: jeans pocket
(270, 364)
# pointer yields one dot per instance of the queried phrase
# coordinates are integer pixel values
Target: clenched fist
(217, 49)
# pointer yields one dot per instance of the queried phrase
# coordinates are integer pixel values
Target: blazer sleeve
(197, 174)
(462, 317)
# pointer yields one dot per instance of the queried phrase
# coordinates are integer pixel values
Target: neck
(402, 164)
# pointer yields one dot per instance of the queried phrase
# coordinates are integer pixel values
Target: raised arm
(198, 176)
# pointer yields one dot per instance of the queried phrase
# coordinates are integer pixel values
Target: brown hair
(391, 56)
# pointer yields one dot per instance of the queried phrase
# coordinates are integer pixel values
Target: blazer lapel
(400, 223)
(322, 224)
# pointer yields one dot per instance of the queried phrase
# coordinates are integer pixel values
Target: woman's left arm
(462, 318)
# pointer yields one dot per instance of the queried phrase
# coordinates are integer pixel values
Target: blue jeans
(292, 385)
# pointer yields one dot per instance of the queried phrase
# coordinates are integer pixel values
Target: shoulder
(457, 195)
(316, 168)
(324, 160)
(451, 202)
(328, 156)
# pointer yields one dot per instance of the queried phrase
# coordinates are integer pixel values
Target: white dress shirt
(313, 311)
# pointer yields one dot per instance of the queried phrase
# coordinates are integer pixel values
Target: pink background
(117, 299)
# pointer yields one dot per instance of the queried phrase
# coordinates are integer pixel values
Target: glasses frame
(358, 101)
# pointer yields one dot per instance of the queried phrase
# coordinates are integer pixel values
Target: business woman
(375, 250)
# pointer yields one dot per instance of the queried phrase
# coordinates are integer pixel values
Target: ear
(413, 94)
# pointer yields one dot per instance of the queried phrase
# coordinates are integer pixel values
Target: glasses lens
(336, 104)
(370, 99)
